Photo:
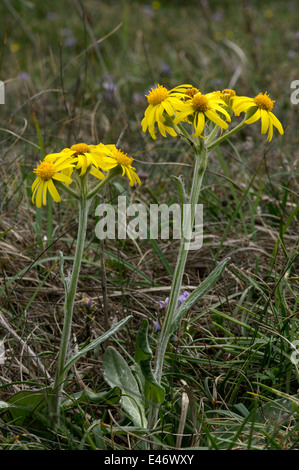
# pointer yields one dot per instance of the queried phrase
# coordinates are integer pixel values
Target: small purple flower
(148, 10)
(165, 70)
(156, 325)
(110, 89)
(23, 76)
(70, 41)
(163, 304)
(109, 86)
(217, 16)
(182, 298)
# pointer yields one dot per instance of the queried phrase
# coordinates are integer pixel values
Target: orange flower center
(80, 148)
(264, 102)
(200, 102)
(122, 158)
(190, 93)
(45, 170)
(157, 95)
(227, 92)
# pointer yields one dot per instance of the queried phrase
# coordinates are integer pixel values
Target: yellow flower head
(162, 103)
(228, 96)
(84, 157)
(257, 108)
(189, 94)
(46, 173)
(201, 107)
(115, 158)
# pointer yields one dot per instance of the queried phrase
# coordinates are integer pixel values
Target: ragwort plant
(202, 121)
(71, 170)
(77, 164)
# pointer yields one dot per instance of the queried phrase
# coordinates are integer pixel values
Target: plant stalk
(70, 292)
(167, 327)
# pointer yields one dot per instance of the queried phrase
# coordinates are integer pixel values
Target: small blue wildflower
(165, 70)
(182, 298)
(163, 304)
(217, 16)
(70, 41)
(23, 76)
(156, 325)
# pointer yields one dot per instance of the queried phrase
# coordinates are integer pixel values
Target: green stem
(50, 222)
(167, 327)
(67, 189)
(226, 135)
(70, 288)
(110, 175)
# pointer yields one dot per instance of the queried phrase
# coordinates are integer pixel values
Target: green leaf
(95, 343)
(143, 350)
(117, 373)
(143, 356)
(97, 432)
(182, 194)
(277, 411)
(30, 407)
(88, 396)
(286, 396)
(199, 292)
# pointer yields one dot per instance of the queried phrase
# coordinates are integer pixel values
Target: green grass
(230, 365)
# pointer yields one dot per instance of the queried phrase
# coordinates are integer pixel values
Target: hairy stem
(70, 292)
(168, 323)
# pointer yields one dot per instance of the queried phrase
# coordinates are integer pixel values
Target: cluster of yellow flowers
(81, 158)
(166, 109)
(186, 103)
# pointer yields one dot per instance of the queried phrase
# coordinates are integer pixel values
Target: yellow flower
(259, 107)
(162, 102)
(15, 47)
(228, 96)
(118, 158)
(46, 172)
(85, 156)
(156, 5)
(268, 13)
(190, 93)
(201, 107)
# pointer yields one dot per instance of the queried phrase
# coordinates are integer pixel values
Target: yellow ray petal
(53, 191)
(265, 120)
